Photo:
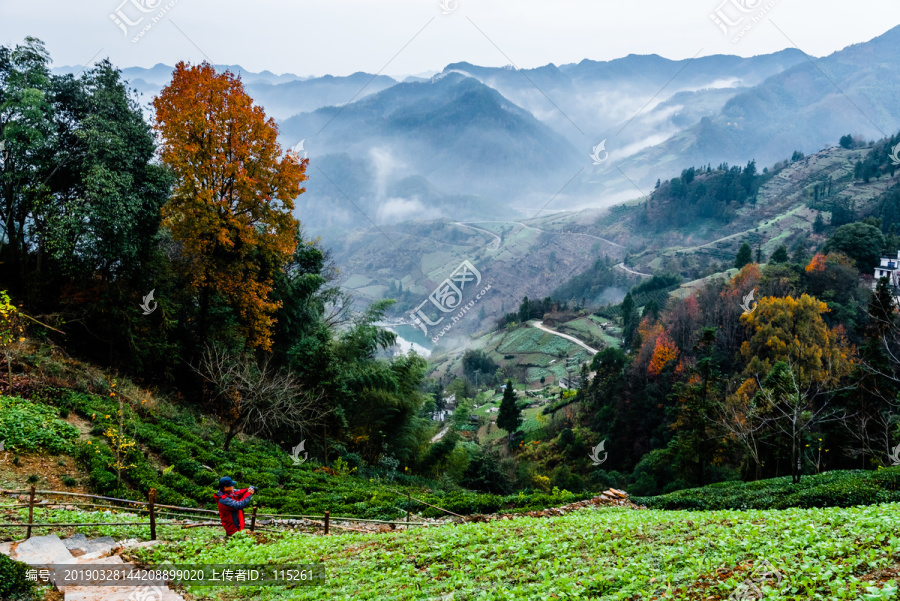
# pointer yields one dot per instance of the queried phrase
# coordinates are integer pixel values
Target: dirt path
(440, 434)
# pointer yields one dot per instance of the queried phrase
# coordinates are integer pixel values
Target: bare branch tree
(256, 397)
(885, 326)
(871, 430)
(746, 424)
(338, 305)
(792, 409)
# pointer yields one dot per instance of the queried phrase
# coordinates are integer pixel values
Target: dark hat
(226, 481)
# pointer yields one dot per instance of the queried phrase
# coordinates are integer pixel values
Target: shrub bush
(844, 488)
(188, 467)
(14, 586)
(206, 478)
(484, 474)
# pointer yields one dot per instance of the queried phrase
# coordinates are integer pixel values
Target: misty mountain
(462, 136)
(473, 141)
(592, 100)
(346, 192)
(429, 127)
(807, 107)
(283, 100)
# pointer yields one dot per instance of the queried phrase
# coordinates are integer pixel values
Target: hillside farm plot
(439, 265)
(529, 424)
(585, 329)
(611, 336)
(785, 209)
(375, 292)
(526, 340)
(557, 371)
(604, 554)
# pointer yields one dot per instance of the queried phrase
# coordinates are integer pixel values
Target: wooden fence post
(326, 522)
(30, 511)
(151, 498)
(408, 505)
(253, 519)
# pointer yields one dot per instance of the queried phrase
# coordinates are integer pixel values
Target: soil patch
(49, 469)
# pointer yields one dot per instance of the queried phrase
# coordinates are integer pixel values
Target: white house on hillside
(889, 268)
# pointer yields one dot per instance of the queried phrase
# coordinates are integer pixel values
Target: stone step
(76, 541)
(111, 560)
(43, 550)
(79, 544)
(99, 554)
(136, 544)
(104, 543)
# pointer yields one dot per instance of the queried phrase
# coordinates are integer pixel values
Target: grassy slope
(834, 553)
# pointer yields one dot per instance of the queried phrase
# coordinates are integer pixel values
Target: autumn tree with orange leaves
(231, 206)
(664, 353)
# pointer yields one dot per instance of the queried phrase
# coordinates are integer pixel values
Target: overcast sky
(401, 37)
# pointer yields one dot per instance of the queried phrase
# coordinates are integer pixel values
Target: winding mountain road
(495, 245)
(540, 325)
(630, 270)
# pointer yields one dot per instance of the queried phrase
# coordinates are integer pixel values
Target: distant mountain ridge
(160, 74)
(281, 95)
(807, 108)
(593, 97)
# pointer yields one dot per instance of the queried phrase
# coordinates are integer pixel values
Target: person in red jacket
(231, 504)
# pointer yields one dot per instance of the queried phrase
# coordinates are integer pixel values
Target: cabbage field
(608, 553)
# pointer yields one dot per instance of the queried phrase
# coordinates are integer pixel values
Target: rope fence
(153, 509)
